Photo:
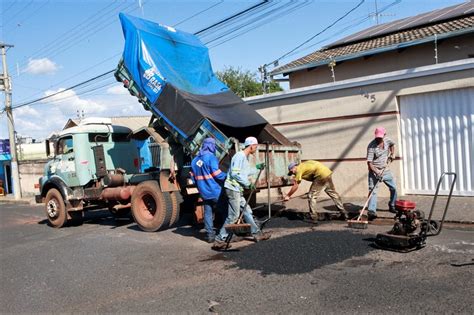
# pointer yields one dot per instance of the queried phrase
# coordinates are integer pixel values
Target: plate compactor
(411, 226)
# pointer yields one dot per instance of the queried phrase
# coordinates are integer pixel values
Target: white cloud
(41, 66)
(117, 90)
(40, 120)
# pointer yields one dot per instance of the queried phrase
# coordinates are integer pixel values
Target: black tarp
(186, 110)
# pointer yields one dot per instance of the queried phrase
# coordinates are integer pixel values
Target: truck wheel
(151, 209)
(55, 208)
(176, 200)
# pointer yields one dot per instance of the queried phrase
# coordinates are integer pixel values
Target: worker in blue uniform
(209, 180)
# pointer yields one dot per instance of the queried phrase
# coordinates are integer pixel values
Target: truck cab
(83, 156)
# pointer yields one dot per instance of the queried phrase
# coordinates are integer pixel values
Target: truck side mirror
(48, 151)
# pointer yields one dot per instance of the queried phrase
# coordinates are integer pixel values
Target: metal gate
(437, 136)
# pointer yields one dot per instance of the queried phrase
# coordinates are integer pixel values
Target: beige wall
(450, 49)
(338, 138)
(30, 172)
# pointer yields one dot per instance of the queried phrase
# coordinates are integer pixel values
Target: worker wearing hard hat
(321, 179)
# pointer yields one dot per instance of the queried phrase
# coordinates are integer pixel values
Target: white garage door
(437, 136)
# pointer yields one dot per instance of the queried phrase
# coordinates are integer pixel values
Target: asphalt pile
(301, 252)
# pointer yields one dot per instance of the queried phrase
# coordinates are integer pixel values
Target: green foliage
(245, 83)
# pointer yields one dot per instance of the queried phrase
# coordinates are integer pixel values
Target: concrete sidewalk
(23, 201)
(461, 209)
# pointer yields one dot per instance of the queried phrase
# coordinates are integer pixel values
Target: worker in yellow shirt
(320, 175)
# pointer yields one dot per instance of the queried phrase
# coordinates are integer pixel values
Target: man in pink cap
(379, 151)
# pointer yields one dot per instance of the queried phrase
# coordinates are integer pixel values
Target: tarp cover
(187, 110)
(172, 68)
(156, 54)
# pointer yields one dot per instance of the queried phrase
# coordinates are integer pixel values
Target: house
(414, 76)
(438, 36)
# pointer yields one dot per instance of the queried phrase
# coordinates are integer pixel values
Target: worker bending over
(320, 175)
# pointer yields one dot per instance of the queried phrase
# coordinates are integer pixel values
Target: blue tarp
(156, 54)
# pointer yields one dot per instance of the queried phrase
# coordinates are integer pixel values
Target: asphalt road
(108, 265)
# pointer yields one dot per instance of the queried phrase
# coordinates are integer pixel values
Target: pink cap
(379, 132)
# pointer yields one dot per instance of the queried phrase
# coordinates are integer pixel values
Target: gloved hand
(260, 166)
(252, 187)
(391, 158)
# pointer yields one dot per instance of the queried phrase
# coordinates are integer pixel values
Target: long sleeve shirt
(207, 176)
(239, 172)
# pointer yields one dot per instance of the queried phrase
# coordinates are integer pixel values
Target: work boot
(211, 238)
(392, 209)
(309, 219)
(261, 236)
(371, 215)
(342, 216)
(220, 245)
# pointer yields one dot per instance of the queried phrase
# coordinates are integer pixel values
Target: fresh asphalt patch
(300, 253)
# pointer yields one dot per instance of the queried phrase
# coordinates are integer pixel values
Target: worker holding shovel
(379, 151)
(320, 175)
(238, 180)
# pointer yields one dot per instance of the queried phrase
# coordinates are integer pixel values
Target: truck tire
(55, 208)
(176, 200)
(151, 209)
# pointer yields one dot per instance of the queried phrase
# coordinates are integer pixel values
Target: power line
(262, 21)
(72, 34)
(198, 13)
(62, 91)
(317, 34)
(357, 21)
(26, 18)
(111, 71)
(232, 17)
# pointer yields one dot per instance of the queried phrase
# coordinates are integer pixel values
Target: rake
(359, 223)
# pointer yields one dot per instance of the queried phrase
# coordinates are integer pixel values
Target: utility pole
(11, 126)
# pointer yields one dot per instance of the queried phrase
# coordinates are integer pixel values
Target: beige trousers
(316, 188)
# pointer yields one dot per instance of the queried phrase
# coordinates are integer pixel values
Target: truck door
(66, 168)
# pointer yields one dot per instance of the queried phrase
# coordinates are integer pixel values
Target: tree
(245, 83)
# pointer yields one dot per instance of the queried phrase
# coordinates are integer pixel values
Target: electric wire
(198, 13)
(13, 29)
(358, 21)
(262, 22)
(317, 34)
(86, 26)
(218, 24)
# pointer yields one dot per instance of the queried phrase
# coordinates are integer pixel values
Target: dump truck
(147, 172)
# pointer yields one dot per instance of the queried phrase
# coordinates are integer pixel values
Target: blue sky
(61, 43)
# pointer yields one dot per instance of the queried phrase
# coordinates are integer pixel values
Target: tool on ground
(359, 223)
(239, 227)
(411, 228)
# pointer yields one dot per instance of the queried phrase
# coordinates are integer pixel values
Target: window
(120, 137)
(98, 137)
(65, 145)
